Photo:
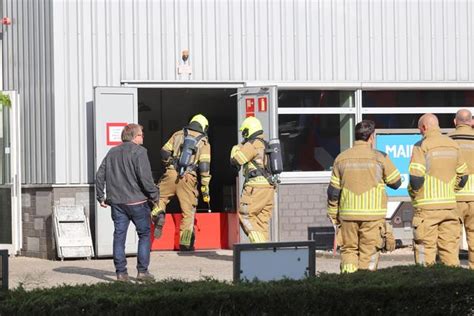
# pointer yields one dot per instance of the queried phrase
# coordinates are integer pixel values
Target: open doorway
(164, 111)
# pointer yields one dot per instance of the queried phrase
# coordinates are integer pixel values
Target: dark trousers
(140, 216)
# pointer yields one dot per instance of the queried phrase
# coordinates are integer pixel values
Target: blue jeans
(140, 216)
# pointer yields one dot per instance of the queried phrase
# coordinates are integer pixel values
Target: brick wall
(37, 208)
(300, 206)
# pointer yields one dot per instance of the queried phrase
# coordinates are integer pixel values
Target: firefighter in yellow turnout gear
(437, 171)
(256, 202)
(357, 202)
(464, 136)
(184, 154)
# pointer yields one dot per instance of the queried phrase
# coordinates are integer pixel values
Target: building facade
(333, 63)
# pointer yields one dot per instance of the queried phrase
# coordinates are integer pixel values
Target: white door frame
(14, 152)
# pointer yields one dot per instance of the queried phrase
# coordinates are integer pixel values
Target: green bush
(5, 100)
(400, 290)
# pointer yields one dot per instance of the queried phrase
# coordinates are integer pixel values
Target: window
(418, 98)
(406, 120)
(314, 127)
(402, 109)
(311, 142)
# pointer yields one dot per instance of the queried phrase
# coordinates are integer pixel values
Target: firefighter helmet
(250, 126)
(201, 120)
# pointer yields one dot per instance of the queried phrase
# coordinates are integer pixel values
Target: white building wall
(104, 42)
(27, 68)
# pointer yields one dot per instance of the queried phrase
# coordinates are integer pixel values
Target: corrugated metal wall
(27, 68)
(101, 42)
(357, 40)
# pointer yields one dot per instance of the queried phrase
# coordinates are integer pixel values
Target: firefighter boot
(186, 242)
(159, 221)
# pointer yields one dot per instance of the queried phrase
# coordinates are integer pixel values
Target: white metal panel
(438, 35)
(388, 25)
(275, 40)
(60, 93)
(209, 40)
(141, 57)
(74, 118)
(86, 94)
(196, 43)
(351, 41)
(426, 41)
(413, 39)
(100, 41)
(376, 39)
(364, 41)
(401, 41)
(470, 34)
(154, 38)
(112, 105)
(170, 51)
(261, 38)
(450, 35)
(462, 33)
(326, 35)
(300, 39)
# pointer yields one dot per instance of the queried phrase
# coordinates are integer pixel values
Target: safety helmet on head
(250, 126)
(201, 120)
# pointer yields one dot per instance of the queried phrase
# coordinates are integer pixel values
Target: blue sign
(399, 148)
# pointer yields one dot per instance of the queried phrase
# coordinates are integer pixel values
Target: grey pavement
(39, 273)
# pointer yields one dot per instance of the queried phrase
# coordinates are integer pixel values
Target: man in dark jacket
(126, 171)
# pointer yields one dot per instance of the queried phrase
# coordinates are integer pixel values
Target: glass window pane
(421, 98)
(311, 142)
(5, 215)
(314, 98)
(406, 120)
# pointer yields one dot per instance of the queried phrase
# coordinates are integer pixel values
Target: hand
(335, 220)
(205, 193)
(103, 204)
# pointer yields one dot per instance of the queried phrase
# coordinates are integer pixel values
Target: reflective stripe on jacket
(357, 187)
(437, 170)
(464, 136)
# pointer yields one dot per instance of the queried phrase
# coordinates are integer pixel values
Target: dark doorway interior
(164, 111)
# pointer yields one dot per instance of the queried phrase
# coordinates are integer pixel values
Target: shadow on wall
(90, 162)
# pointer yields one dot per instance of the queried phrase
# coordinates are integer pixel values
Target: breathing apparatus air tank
(188, 149)
(274, 154)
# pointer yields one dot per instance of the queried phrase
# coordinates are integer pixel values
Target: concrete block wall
(37, 208)
(301, 206)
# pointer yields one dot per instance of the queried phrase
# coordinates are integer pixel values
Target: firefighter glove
(205, 193)
(234, 150)
(155, 209)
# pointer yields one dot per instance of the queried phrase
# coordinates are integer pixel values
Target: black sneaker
(159, 222)
(145, 276)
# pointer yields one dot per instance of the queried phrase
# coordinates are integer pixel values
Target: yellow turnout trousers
(256, 206)
(186, 190)
(361, 244)
(465, 210)
(436, 231)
